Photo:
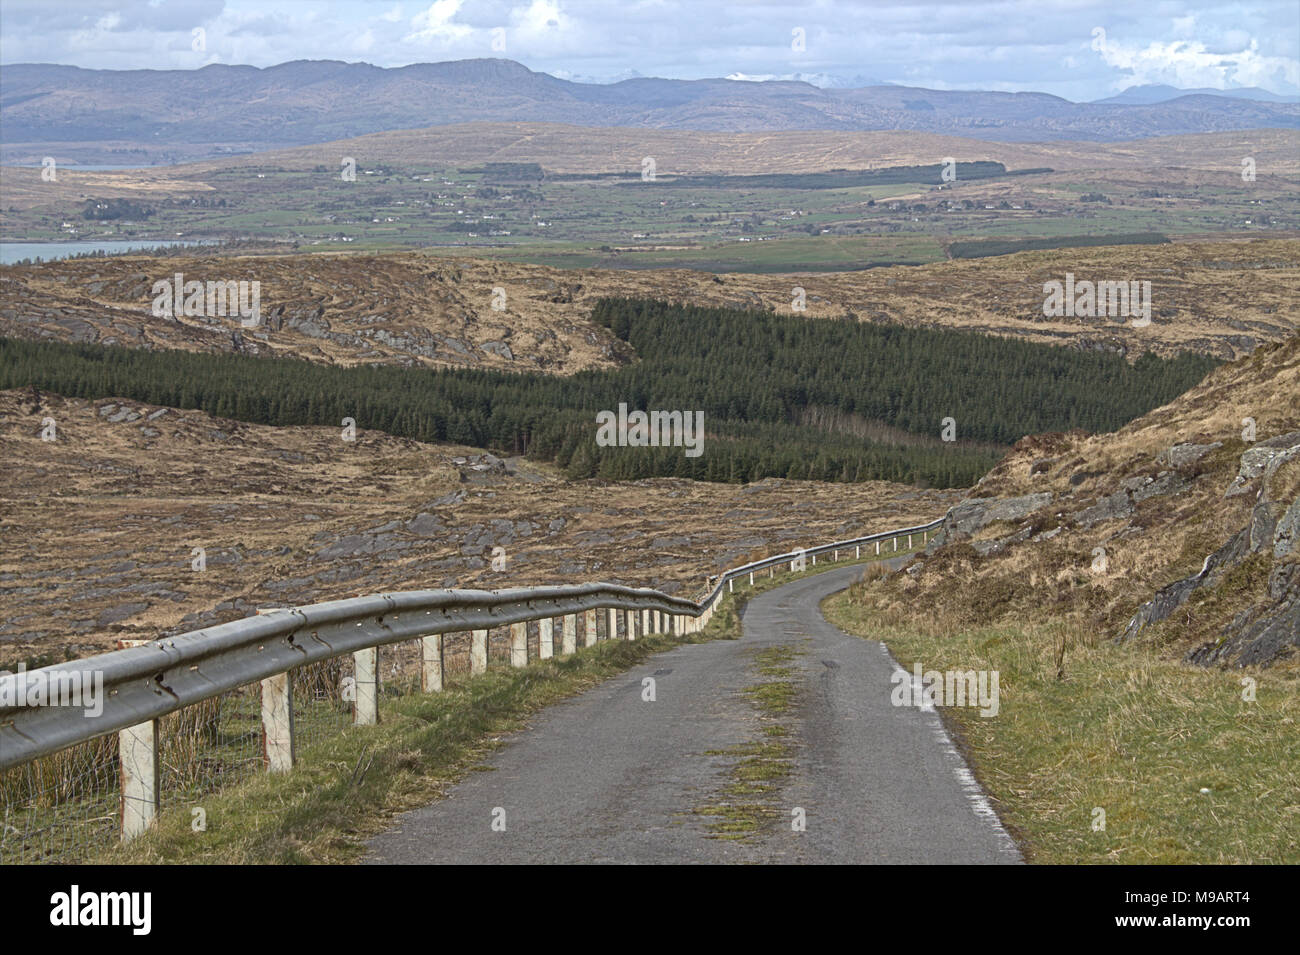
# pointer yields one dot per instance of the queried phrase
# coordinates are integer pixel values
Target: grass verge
(1183, 767)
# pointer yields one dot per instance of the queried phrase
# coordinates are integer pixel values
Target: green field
(717, 223)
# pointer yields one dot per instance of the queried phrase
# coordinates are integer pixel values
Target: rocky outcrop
(1182, 455)
(976, 513)
(1269, 629)
(1271, 453)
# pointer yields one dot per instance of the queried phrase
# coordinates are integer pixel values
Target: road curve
(608, 777)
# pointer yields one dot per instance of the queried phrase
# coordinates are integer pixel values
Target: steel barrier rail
(146, 682)
(141, 684)
(767, 562)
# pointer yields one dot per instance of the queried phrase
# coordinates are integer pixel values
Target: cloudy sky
(1072, 48)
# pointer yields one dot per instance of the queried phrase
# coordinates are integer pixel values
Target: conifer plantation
(782, 396)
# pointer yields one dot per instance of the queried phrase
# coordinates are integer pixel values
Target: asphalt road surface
(609, 777)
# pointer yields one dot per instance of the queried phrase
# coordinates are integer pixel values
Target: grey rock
(1112, 507)
(424, 525)
(1168, 482)
(1257, 459)
(1172, 596)
(119, 613)
(448, 500)
(1260, 635)
(1181, 455)
(1286, 534)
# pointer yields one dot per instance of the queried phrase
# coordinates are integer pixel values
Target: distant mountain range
(1146, 95)
(239, 108)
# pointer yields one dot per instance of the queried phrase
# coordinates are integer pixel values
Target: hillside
(1180, 532)
(101, 523)
(566, 148)
(171, 114)
(1218, 298)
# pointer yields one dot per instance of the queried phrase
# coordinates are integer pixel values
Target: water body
(11, 252)
(77, 167)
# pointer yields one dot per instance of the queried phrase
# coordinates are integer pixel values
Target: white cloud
(542, 27)
(436, 23)
(1190, 64)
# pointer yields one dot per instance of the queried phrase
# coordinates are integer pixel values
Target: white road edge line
(975, 795)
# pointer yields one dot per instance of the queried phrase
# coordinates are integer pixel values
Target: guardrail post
(277, 723)
(589, 629)
(137, 747)
(909, 541)
(519, 644)
(835, 557)
(731, 586)
(611, 631)
(645, 622)
(895, 544)
(431, 672)
(814, 560)
(365, 687)
(877, 548)
(569, 641)
(751, 578)
(478, 652)
(857, 551)
(627, 625)
(546, 638)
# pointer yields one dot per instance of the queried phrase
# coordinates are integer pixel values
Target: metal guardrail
(814, 552)
(144, 683)
(147, 682)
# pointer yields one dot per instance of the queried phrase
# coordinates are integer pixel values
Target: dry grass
(417, 309)
(1166, 537)
(1185, 769)
(101, 524)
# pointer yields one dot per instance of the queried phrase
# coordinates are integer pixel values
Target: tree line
(754, 375)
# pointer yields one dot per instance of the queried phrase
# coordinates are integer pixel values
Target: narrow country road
(610, 777)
